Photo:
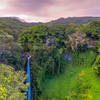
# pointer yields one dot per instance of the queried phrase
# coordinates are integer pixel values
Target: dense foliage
(60, 54)
(12, 84)
(52, 45)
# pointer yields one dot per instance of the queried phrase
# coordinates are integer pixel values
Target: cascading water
(28, 79)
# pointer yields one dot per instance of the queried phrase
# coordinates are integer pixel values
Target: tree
(76, 40)
(33, 37)
(12, 85)
(70, 29)
(93, 29)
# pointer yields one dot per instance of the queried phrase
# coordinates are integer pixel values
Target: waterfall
(29, 79)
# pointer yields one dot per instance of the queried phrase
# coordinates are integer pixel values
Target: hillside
(73, 20)
(19, 23)
(16, 22)
(66, 83)
(64, 60)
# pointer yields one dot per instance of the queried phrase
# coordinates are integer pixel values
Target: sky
(47, 10)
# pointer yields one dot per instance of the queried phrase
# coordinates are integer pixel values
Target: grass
(90, 78)
(62, 85)
(95, 81)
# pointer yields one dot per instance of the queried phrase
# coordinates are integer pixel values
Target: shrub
(12, 84)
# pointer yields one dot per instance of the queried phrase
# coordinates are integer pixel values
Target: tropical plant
(76, 40)
(12, 85)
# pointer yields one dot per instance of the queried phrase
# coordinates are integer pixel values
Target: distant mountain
(17, 18)
(73, 20)
(16, 22)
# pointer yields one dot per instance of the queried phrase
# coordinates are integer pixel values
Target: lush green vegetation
(65, 62)
(12, 84)
(64, 85)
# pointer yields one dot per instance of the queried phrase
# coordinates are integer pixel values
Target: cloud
(45, 10)
(30, 7)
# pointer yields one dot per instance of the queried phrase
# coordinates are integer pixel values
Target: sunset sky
(46, 10)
